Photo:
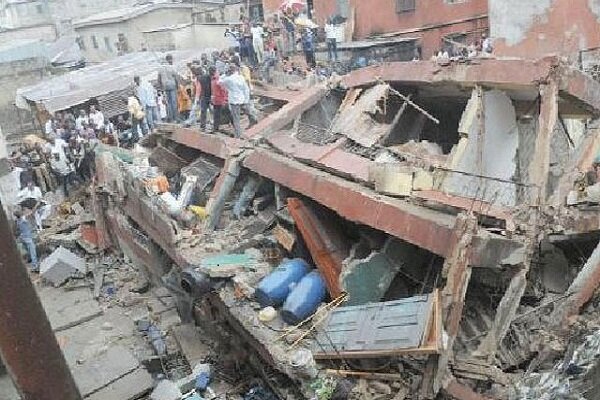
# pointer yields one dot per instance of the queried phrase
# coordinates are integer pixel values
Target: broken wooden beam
(325, 243)
(365, 375)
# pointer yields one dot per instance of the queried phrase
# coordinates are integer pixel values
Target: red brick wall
(379, 16)
(271, 6)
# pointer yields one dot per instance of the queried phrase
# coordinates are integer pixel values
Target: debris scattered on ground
(61, 265)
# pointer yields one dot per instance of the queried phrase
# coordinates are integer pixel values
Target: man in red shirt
(218, 98)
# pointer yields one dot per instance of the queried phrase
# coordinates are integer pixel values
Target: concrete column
(540, 164)
(222, 190)
(458, 273)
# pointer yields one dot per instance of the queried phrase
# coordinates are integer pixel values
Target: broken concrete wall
(534, 28)
(368, 279)
(491, 153)
(560, 156)
(528, 128)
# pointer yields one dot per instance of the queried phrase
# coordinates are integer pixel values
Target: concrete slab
(166, 390)
(60, 266)
(129, 387)
(66, 309)
(104, 369)
(190, 342)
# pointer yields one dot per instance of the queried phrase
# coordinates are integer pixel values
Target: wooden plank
(284, 237)
(189, 340)
(366, 375)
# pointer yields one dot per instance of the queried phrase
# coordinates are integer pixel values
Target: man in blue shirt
(308, 46)
(25, 235)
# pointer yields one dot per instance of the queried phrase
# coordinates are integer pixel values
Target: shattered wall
(491, 152)
(534, 28)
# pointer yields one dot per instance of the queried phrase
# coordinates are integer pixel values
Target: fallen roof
(78, 87)
(125, 13)
(509, 74)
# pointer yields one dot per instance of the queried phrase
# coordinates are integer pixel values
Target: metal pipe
(27, 344)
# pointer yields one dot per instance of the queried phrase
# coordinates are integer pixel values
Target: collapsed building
(442, 205)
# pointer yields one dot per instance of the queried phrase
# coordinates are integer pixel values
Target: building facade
(23, 13)
(187, 36)
(428, 20)
(535, 28)
(112, 33)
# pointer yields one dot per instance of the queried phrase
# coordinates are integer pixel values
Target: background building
(109, 34)
(461, 21)
(535, 28)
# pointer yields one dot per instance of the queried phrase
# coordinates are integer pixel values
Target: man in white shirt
(81, 120)
(238, 94)
(31, 197)
(96, 118)
(258, 43)
(331, 34)
(56, 145)
(486, 46)
(49, 126)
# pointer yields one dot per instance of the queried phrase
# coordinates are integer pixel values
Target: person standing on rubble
(331, 35)
(31, 198)
(62, 169)
(308, 45)
(25, 233)
(202, 97)
(168, 81)
(239, 100)
(218, 98)
(81, 120)
(147, 95)
(96, 118)
(137, 118)
(258, 43)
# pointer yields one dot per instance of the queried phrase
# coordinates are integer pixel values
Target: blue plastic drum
(304, 299)
(275, 287)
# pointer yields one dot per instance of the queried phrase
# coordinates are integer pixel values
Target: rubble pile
(572, 378)
(416, 242)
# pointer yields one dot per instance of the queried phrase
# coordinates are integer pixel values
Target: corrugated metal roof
(391, 326)
(125, 13)
(77, 87)
(115, 103)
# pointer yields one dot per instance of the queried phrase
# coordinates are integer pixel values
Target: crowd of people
(281, 36)
(65, 159)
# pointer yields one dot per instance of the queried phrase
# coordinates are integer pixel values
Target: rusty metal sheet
(388, 326)
(324, 241)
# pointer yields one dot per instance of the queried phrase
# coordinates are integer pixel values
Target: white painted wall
(512, 19)
(500, 142)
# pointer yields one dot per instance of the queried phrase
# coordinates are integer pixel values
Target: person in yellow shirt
(137, 117)
(184, 103)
